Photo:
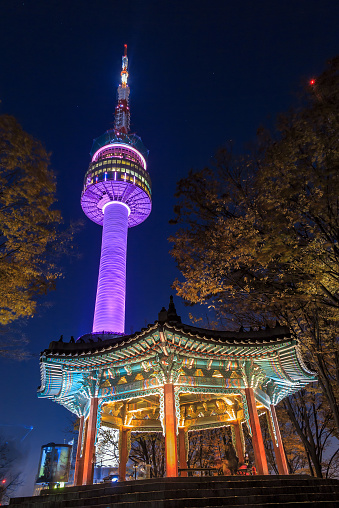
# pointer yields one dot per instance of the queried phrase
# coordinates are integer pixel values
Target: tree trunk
(328, 390)
(309, 444)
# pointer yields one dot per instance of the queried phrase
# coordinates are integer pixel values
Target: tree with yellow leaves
(259, 235)
(29, 223)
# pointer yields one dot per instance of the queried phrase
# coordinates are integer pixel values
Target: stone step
(192, 492)
(205, 499)
(155, 495)
(295, 479)
(165, 484)
(110, 494)
(305, 504)
(216, 502)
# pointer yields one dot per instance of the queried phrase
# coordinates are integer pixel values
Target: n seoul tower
(117, 196)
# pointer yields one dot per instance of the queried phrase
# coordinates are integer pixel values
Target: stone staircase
(234, 492)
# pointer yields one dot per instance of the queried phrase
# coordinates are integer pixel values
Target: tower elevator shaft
(109, 313)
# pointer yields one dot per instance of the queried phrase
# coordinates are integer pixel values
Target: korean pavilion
(174, 378)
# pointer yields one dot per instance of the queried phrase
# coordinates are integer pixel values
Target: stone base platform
(231, 491)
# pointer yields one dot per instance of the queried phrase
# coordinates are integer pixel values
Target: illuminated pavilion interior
(174, 378)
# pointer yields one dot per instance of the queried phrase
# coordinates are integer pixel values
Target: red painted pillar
(182, 451)
(89, 455)
(279, 451)
(171, 454)
(238, 442)
(257, 440)
(79, 462)
(123, 458)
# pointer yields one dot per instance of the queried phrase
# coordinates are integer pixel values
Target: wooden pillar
(89, 454)
(257, 440)
(171, 454)
(278, 447)
(182, 451)
(123, 452)
(238, 442)
(79, 460)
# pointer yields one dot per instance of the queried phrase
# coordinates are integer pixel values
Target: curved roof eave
(249, 339)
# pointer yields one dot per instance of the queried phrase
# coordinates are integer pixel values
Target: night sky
(201, 73)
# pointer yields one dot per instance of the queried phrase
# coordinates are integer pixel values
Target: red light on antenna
(312, 82)
(3, 481)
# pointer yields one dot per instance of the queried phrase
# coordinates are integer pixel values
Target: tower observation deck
(116, 195)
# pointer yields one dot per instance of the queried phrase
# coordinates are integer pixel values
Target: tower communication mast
(117, 196)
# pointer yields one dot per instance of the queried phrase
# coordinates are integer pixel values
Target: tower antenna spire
(124, 72)
(122, 112)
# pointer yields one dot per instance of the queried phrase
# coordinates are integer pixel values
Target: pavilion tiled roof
(100, 343)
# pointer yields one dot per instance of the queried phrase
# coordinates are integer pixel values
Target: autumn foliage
(258, 236)
(29, 234)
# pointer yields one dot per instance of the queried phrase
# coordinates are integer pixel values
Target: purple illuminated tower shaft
(109, 314)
